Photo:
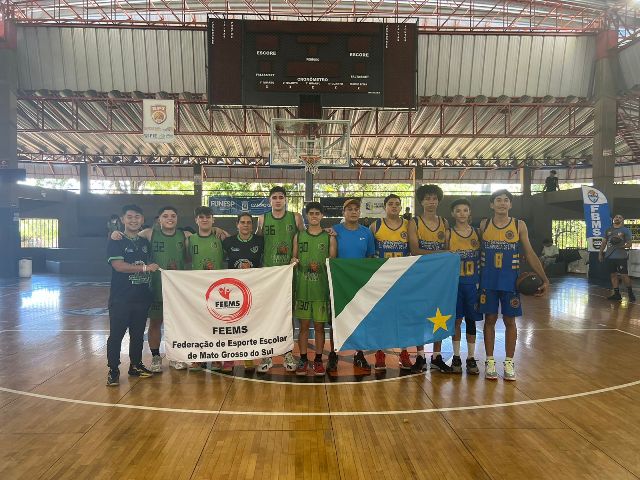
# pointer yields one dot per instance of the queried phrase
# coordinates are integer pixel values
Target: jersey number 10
(468, 268)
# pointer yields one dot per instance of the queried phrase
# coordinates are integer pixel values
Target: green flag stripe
(348, 276)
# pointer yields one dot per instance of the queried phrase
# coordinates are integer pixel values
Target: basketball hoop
(311, 163)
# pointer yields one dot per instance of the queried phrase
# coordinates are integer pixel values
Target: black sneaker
(632, 297)
(472, 367)
(616, 296)
(332, 363)
(456, 364)
(361, 362)
(139, 371)
(420, 365)
(113, 377)
(438, 364)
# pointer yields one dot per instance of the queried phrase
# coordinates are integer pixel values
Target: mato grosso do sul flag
(393, 302)
(222, 315)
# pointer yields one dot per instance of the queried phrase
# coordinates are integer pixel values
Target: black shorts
(617, 265)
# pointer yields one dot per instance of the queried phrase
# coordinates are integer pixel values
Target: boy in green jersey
(278, 228)
(205, 248)
(168, 247)
(311, 248)
(205, 251)
(168, 251)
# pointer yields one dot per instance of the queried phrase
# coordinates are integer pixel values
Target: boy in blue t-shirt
(354, 241)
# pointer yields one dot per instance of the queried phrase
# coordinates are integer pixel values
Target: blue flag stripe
(400, 317)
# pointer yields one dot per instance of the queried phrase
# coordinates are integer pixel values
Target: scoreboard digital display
(272, 63)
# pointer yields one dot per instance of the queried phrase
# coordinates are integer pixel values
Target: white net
(311, 163)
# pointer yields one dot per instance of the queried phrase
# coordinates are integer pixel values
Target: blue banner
(236, 205)
(596, 216)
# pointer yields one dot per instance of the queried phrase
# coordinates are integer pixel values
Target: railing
(569, 233)
(39, 232)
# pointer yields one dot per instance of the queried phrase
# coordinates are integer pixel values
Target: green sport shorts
(309, 310)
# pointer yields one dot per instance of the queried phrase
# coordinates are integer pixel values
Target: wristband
(144, 268)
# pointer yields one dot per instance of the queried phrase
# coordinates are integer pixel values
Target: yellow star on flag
(439, 321)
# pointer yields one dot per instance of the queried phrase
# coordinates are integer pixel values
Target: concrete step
(71, 267)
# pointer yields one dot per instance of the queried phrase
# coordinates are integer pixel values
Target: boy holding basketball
(311, 248)
(503, 240)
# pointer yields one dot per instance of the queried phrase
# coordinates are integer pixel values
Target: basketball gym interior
(471, 96)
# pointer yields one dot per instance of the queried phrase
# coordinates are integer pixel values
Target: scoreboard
(272, 63)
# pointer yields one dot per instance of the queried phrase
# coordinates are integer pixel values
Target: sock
(155, 351)
(303, 357)
(508, 359)
(318, 357)
(471, 347)
(456, 347)
(491, 358)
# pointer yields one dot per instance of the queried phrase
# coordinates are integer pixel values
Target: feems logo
(593, 196)
(228, 300)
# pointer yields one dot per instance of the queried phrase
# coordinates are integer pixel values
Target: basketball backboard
(310, 143)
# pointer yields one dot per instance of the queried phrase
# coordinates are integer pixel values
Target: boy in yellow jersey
(464, 240)
(503, 238)
(278, 227)
(392, 240)
(427, 234)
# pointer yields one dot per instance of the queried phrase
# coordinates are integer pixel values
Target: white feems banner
(218, 315)
(158, 121)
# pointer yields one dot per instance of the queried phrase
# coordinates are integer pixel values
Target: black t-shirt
(243, 253)
(130, 287)
(551, 184)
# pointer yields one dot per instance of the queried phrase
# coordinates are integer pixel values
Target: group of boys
(490, 260)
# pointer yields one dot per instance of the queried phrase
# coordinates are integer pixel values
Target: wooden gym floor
(573, 413)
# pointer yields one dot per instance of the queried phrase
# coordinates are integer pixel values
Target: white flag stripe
(223, 315)
(367, 297)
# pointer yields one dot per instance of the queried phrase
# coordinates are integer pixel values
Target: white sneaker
(509, 370)
(290, 363)
(265, 365)
(156, 364)
(490, 372)
(178, 365)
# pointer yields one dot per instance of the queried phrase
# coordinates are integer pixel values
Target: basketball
(528, 283)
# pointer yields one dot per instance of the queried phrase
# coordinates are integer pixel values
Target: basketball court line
(338, 414)
(324, 414)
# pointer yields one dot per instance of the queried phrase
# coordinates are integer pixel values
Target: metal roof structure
(440, 15)
(501, 84)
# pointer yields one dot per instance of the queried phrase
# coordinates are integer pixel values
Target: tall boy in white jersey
(392, 240)
(503, 238)
(278, 227)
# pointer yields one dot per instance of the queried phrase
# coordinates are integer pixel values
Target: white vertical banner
(222, 315)
(372, 207)
(158, 121)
